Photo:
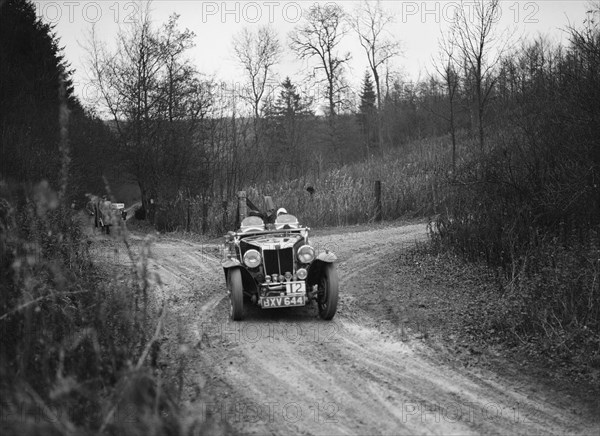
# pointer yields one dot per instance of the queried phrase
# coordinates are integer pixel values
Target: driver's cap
(280, 211)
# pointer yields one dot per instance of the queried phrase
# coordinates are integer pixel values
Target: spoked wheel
(236, 294)
(328, 292)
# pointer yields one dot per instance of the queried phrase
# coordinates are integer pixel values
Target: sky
(417, 25)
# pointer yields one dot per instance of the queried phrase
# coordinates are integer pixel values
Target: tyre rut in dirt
(236, 294)
(328, 292)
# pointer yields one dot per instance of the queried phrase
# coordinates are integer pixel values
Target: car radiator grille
(286, 260)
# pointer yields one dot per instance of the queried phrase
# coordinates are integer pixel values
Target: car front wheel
(236, 294)
(328, 292)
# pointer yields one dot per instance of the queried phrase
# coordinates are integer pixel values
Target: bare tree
(257, 53)
(146, 85)
(319, 36)
(481, 48)
(172, 43)
(125, 79)
(370, 25)
(446, 67)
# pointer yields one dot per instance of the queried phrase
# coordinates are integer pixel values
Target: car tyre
(328, 292)
(236, 294)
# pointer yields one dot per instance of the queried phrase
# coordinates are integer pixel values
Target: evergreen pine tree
(367, 96)
(289, 103)
(367, 115)
(287, 124)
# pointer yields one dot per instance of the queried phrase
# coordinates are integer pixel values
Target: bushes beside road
(75, 341)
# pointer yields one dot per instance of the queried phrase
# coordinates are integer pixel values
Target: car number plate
(295, 288)
(269, 302)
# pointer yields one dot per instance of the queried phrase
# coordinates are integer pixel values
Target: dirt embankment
(287, 372)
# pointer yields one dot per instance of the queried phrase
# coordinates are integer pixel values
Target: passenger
(284, 220)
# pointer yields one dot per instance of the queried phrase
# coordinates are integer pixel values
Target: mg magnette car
(274, 266)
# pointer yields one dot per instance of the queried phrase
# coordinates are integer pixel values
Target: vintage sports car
(274, 266)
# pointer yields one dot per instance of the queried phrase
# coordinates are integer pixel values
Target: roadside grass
(475, 312)
(531, 221)
(79, 338)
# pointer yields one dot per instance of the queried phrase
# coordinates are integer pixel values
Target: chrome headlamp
(301, 273)
(306, 254)
(252, 258)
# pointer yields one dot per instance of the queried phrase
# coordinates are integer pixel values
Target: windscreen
(286, 219)
(252, 222)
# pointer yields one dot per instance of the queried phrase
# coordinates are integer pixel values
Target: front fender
(327, 257)
(230, 263)
(315, 269)
(247, 279)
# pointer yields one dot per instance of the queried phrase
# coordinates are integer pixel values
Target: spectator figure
(92, 208)
(105, 214)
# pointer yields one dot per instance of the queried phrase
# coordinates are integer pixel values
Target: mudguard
(247, 280)
(316, 267)
(327, 257)
(229, 263)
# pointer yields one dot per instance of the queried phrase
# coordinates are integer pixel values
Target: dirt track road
(287, 372)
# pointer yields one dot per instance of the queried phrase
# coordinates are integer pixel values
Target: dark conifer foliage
(32, 67)
(367, 96)
(289, 103)
(367, 114)
(288, 119)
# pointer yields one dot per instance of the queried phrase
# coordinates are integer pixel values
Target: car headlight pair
(306, 254)
(252, 258)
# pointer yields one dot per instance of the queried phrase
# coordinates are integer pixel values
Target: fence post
(224, 204)
(378, 209)
(204, 216)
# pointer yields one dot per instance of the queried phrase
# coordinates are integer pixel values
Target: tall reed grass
(78, 335)
(411, 177)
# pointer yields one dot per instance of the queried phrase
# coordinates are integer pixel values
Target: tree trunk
(143, 193)
(480, 125)
(453, 135)
(379, 121)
